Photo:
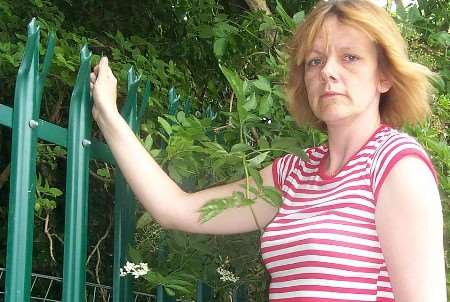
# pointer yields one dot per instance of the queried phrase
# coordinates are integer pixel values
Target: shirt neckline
(322, 172)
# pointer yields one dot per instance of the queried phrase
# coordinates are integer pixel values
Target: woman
(361, 220)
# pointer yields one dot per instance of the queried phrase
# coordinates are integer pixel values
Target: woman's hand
(103, 86)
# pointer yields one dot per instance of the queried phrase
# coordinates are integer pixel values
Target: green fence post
(124, 210)
(162, 296)
(240, 294)
(77, 184)
(27, 102)
(204, 292)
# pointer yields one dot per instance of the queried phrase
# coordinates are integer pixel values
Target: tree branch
(256, 5)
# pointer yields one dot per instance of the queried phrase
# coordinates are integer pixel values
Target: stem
(247, 192)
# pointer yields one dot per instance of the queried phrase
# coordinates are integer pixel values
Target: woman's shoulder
(309, 154)
(389, 139)
(392, 146)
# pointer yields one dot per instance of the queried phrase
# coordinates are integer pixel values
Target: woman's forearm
(151, 185)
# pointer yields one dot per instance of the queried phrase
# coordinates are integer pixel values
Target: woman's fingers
(103, 85)
(103, 67)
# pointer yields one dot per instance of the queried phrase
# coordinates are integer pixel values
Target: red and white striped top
(323, 245)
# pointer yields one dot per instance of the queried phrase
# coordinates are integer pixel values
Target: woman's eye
(350, 58)
(314, 62)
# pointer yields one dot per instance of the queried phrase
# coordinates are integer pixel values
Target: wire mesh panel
(49, 289)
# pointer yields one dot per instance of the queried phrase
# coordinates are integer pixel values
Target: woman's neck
(345, 140)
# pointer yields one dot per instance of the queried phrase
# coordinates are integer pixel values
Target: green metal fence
(26, 126)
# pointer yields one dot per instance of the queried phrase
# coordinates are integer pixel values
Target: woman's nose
(329, 70)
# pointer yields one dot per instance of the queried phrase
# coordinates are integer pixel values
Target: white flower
(135, 270)
(226, 275)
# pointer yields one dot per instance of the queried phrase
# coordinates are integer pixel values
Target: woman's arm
(160, 195)
(410, 229)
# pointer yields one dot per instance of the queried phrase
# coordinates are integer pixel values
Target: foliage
(228, 67)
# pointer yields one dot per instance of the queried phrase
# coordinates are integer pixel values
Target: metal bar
(47, 63)
(57, 135)
(162, 296)
(124, 210)
(240, 294)
(77, 184)
(23, 169)
(204, 292)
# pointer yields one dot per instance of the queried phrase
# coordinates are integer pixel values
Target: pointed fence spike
(51, 40)
(145, 101)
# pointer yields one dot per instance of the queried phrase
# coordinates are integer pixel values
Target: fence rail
(48, 289)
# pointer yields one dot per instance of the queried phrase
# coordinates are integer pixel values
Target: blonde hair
(408, 99)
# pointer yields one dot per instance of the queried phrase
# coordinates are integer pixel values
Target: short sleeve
(389, 153)
(281, 168)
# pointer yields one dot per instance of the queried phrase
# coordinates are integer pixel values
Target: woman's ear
(384, 82)
(384, 85)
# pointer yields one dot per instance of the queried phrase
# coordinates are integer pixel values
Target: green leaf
(219, 47)
(215, 147)
(181, 116)
(155, 152)
(251, 103)
(235, 82)
(263, 143)
(165, 125)
(256, 176)
(290, 145)
(262, 83)
(266, 105)
(438, 82)
(238, 87)
(284, 16)
(273, 196)
(298, 17)
(169, 291)
(205, 31)
(55, 192)
(257, 160)
(240, 148)
(441, 38)
(134, 255)
(178, 288)
(144, 220)
(148, 143)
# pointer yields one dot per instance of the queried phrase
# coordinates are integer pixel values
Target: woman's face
(342, 77)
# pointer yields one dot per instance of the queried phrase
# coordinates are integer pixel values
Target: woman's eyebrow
(316, 51)
(348, 48)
